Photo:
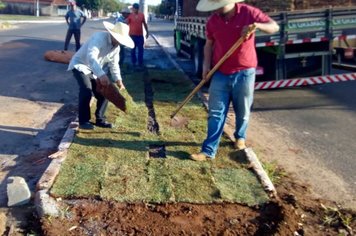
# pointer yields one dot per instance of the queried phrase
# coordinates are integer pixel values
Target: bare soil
(294, 212)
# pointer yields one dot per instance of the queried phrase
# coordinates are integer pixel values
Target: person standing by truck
(75, 19)
(135, 21)
(234, 80)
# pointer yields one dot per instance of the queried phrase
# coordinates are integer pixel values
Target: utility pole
(37, 8)
(144, 8)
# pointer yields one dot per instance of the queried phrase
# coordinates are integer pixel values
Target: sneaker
(198, 157)
(103, 124)
(86, 125)
(240, 144)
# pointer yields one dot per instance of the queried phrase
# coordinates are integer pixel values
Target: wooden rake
(237, 44)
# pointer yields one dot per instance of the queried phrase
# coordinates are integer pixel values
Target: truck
(302, 53)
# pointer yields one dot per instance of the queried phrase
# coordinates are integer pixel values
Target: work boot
(240, 144)
(198, 157)
(86, 125)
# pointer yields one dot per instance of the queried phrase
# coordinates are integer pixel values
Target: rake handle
(251, 29)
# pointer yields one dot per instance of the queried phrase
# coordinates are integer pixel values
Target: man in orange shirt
(135, 21)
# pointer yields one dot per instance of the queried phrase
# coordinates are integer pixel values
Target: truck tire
(198, 57)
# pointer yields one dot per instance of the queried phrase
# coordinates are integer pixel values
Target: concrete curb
(229, 131)
(44, 203)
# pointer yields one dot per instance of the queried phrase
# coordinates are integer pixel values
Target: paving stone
(18, 192)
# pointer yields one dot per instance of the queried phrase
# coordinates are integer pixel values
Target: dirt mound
(295, 212)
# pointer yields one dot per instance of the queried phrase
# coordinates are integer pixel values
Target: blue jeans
(239, 89)
(139, 41)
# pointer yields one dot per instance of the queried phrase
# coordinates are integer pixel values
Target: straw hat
(120, 32)
(211, 5)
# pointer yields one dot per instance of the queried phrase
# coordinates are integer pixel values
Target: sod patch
(114, 164)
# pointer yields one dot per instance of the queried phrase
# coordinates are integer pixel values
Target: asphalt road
(320, 119)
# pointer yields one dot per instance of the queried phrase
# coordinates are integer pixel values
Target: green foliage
(106, 5)
(334, 217)
(2, 5)
(111, 5)
(89, 4)
(274, 172)
(167, 8)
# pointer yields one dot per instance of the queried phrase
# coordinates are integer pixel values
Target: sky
(149, 2)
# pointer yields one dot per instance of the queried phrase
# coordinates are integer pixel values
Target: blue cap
(136, 6)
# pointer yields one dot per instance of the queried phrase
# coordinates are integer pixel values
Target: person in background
(235, 78)
(125, 12)
(135, 21)
(75, 19)
(97, 61)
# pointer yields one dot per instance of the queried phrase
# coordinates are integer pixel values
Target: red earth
(294, 212)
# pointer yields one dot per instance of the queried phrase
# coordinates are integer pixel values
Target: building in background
(30, 7)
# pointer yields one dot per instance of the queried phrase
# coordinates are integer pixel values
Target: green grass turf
(113, 164)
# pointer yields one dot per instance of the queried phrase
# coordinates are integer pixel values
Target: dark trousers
(76, 33)
(139, 41)
(87, 86)
(122, 55)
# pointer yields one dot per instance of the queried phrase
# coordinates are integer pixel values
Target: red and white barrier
(305, 40)
(304, 81)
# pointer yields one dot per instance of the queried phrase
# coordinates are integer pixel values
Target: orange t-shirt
(135, 22)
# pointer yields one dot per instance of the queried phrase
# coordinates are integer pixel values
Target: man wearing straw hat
(235, 78)
(98, 59)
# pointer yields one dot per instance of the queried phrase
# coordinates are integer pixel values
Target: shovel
(178, 121)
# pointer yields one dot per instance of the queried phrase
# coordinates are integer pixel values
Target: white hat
(211, 5)
(120, 31)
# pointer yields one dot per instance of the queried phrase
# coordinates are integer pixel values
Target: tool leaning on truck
(301, 53)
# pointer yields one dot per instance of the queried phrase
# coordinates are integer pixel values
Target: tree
(167, 7)
(2, 5)
(90, 4)
(106, 5)
(111, 5)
